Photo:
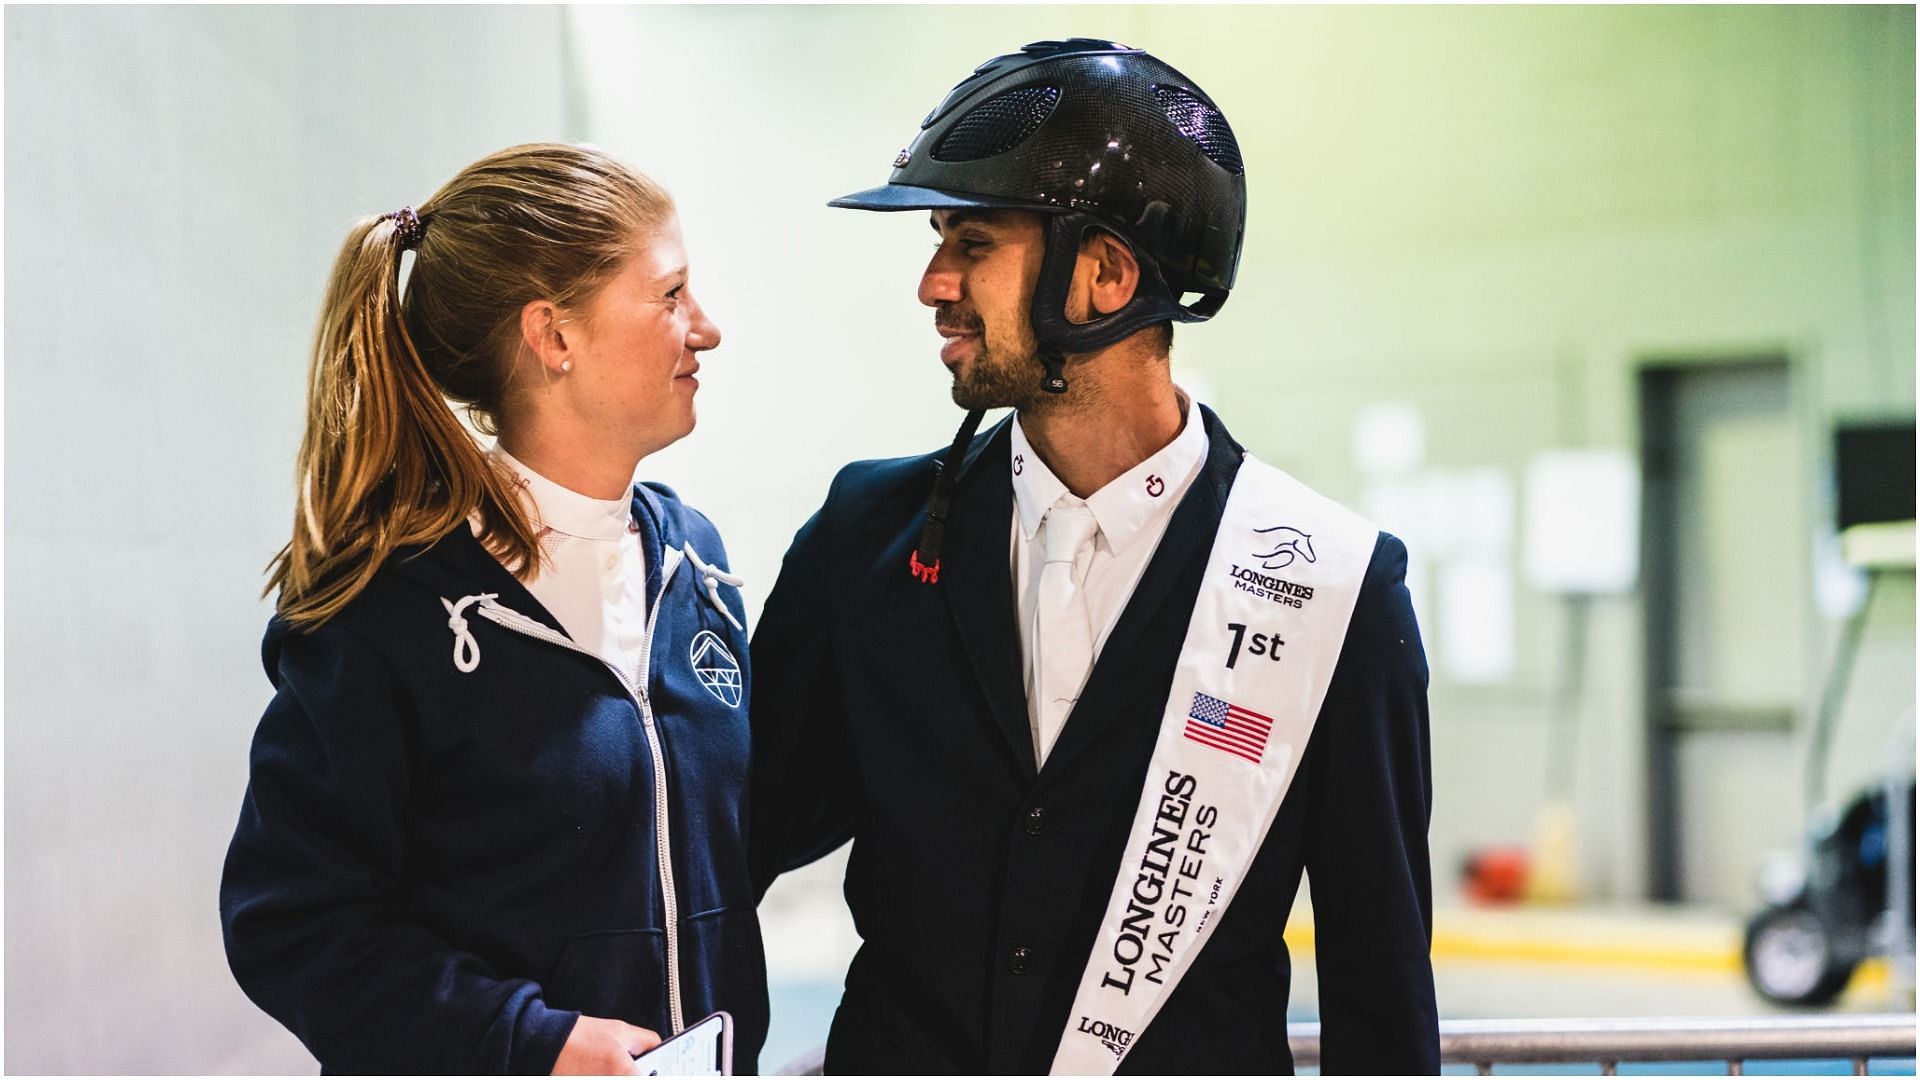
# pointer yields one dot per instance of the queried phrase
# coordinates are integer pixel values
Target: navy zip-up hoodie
(438, 870)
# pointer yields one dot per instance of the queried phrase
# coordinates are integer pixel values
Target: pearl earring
(566, 366)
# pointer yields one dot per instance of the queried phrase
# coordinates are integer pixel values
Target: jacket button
(1019, 960)
(1036, 820)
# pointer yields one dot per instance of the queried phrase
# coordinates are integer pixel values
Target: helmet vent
(1202, 123)
(998, 124)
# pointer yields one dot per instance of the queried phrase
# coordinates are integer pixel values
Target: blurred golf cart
(1849, 895)
(1828, 910)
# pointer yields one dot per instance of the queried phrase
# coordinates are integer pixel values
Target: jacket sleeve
(804, 790)
(1367, 860)
(311, 903)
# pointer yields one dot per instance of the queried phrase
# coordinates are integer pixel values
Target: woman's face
(638, 342)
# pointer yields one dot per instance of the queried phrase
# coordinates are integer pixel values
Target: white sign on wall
(1476, 620)
(1581, 527)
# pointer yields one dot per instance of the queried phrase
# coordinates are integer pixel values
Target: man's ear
(1105, 277)
(543, 331)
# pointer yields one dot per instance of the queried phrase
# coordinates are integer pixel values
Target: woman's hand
(601, 1047)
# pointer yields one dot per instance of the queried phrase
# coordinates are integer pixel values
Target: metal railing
(1486, 1043)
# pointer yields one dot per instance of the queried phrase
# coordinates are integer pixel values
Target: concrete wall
(178, 182)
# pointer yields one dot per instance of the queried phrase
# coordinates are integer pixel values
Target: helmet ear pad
(1153, 302)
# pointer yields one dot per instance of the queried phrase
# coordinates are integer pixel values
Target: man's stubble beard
(1009, 379)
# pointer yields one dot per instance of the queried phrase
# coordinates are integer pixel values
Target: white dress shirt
(594, 579)
(1132, 512)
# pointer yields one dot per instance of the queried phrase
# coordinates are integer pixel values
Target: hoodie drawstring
(466, 651)
(712, 576)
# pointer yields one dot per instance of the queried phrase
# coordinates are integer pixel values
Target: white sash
(1267, 628)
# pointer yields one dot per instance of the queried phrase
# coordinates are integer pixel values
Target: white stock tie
(1062, 632)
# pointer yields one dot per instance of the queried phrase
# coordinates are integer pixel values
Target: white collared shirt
(1132, 510)
(594, 579)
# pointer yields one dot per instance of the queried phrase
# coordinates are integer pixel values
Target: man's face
(980, 286)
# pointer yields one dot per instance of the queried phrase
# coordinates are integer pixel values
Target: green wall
(1491, 214)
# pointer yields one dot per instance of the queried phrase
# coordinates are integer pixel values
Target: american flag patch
(1226, 726)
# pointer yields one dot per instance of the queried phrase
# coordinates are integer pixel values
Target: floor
(1489, 963)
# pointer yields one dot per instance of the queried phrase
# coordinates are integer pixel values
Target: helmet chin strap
(1153, 302)
(1054, 379)
(924, 563)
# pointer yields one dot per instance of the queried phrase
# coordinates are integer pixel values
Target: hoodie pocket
(618, 974)
(723, 966)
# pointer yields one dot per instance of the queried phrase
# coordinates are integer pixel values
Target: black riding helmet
(1096, 135)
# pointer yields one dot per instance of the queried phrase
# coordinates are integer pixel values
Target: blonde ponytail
(385, 463)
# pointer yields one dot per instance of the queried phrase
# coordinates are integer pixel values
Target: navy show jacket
(437, 870)
(893, 712)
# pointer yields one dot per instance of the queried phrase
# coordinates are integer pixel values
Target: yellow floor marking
(1458, 946)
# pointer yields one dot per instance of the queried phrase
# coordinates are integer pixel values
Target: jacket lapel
(976, 579)
(652, 520)
(1153, 626)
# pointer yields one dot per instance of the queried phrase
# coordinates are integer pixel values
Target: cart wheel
(1790, 958)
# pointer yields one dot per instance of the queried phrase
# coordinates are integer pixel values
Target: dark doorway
(1726, 563)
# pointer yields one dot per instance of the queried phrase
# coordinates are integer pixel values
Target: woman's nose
(702, 334)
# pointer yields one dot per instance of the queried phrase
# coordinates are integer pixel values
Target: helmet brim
(910, 197)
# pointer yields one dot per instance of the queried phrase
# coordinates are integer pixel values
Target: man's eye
(674, 293)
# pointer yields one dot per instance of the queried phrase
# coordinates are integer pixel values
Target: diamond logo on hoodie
(719, 672)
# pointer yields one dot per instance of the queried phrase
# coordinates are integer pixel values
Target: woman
(494, 822)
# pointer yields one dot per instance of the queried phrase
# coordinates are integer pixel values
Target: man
(1062, 705)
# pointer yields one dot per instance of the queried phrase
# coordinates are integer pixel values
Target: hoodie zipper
(506, 617)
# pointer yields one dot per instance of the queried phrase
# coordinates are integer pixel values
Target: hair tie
(407, 226)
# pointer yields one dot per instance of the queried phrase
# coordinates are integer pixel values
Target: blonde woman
(494, 819)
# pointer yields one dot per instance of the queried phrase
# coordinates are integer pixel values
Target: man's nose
(940, 284)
